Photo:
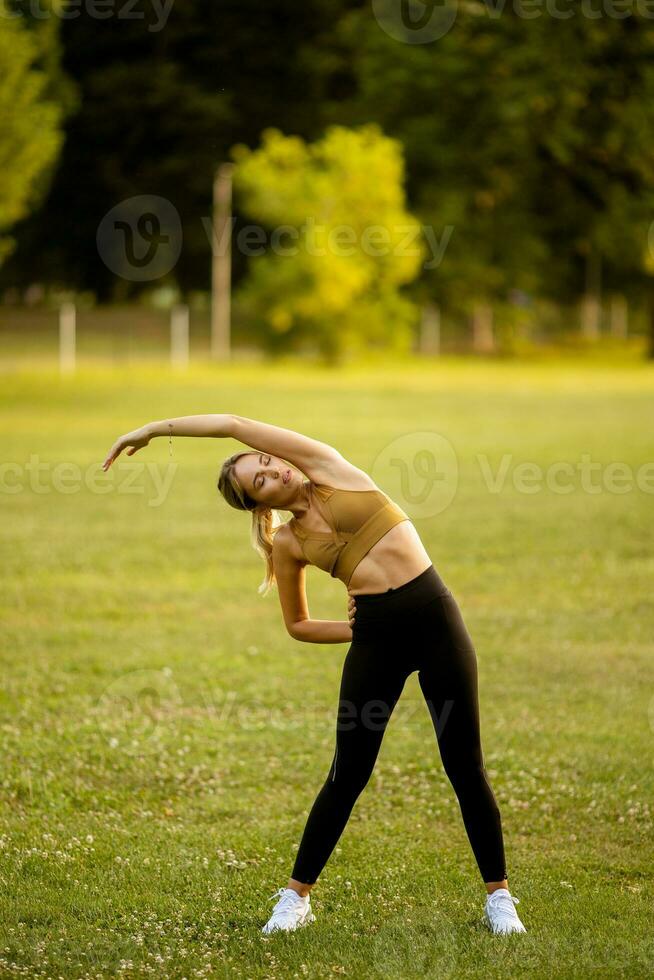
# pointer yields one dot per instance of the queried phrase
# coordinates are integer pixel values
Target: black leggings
(417, 626)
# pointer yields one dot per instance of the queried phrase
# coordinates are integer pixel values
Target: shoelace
(502, 902)
(287, 900)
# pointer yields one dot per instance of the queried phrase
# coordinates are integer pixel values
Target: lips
(287, 476)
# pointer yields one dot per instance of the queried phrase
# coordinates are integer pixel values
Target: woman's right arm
(186, 425)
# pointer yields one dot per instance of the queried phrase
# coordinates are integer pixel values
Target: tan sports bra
(358, 518)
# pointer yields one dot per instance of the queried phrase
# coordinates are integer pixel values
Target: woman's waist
(394, 560)
(424, 587)
(400, 611)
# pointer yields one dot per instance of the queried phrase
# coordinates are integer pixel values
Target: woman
(402, 618)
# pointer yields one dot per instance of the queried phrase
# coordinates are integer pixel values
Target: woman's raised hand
(135, 440)
(351, 609)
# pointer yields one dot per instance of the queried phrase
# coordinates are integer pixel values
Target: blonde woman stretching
(402, 618)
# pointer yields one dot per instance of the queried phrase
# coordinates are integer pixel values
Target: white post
(221, 264)
(67, 317)
(483, 339)
(179, 336)
(430, 329)
(591, 304)
(619, 316)
(590, 316)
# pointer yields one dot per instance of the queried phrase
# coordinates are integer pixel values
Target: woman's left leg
(449, 683)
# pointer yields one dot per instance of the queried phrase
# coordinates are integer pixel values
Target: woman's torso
(397, 557)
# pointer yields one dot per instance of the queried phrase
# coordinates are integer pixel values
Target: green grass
(163, 738)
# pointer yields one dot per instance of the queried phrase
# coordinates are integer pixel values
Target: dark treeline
(530, 136)
(159, 108)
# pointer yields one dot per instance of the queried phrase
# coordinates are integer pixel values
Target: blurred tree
(166, 90)
(530, 134)
(341, 243)
(33, 99)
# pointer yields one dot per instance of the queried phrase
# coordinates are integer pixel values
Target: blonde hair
(265, 521)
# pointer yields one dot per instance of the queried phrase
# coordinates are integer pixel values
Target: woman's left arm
(309, 455)
(187, 425)
(313, 457)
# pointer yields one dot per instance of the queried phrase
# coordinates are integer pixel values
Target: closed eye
(260, 484)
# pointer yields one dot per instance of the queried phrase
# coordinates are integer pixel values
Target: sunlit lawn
(163, 738)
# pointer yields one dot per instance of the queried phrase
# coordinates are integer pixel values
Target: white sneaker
(292, 910)
(499, 914)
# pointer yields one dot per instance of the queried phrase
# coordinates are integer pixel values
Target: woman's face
(268, 479)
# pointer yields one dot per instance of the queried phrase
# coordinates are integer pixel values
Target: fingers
(351, 609)
(115, 451)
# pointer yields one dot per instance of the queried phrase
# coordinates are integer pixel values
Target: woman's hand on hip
(351, 609)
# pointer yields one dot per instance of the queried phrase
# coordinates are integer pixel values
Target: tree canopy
(529, 136)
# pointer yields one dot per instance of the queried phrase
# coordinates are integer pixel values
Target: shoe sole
(508, 932)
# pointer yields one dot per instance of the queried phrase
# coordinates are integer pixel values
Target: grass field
(163, 738)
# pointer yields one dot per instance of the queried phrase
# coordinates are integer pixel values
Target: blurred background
(423, 234)
(469, 177)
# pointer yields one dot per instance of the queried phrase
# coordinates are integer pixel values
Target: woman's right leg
(371, 684)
